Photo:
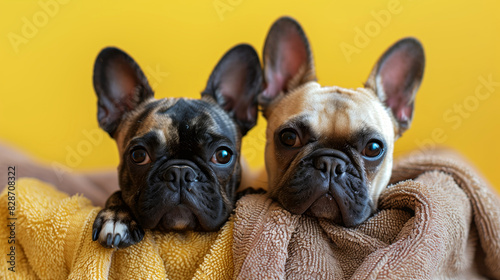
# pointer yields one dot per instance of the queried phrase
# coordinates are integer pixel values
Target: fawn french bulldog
(329, 150)
(179, 158)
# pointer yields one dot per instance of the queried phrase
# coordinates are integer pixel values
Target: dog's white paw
(115, 228)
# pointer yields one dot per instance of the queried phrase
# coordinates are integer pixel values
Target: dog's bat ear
(288, 61)
(396, 78)
(235, 83)
(120, 86)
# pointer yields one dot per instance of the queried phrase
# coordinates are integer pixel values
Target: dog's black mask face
(183, 171)
(336, 185)
(180, 158)
(326, 174)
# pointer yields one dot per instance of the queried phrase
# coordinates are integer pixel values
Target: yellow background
(48, 106)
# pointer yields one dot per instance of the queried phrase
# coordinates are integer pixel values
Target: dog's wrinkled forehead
(176, 118)
(332, 111)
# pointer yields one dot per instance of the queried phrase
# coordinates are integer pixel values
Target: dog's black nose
(330, 165)
(179, 176)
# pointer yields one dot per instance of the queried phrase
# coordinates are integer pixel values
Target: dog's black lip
(328, 193)
(182, 203)
(311, 201)
(185, 201)
(331, 185)
(324, 188)
(160, 226)
(207, 175)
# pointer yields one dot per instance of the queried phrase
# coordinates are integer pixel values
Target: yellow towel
(52, 233)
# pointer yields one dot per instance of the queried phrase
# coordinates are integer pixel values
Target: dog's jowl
(329, 149)
(179, 158)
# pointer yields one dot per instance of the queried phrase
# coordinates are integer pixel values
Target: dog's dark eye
(222, 156)
(140, 156)
(289, 138)
(373, 149)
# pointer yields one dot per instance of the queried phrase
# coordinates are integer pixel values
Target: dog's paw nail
(137, 235)
(115, 228)
(116, 241)
(109, 239)
(95, 234)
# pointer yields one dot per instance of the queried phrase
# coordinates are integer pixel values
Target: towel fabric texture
(53, 241)
(437, 220)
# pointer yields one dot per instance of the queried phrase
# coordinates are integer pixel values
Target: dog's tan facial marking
(147, 117)
(332, 111)
(165, 132)
(290, 105)
(332, 115)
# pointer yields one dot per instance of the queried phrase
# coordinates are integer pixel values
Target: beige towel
(439, 220)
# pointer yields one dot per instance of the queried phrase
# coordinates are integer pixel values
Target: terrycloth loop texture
(439, 220)
(53, 241)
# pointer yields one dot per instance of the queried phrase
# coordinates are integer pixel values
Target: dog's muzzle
(328, 184)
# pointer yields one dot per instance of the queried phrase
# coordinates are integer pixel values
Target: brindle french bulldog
(179, 158)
